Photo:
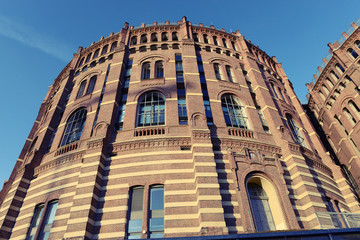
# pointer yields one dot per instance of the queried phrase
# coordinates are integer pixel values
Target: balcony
(338, 220)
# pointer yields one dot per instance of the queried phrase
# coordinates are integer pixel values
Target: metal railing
(338, 220)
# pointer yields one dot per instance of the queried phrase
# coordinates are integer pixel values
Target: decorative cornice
(170, 143)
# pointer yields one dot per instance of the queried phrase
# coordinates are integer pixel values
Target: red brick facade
(243, 125)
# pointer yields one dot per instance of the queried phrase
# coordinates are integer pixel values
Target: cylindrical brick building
(334, 102)
(172, 129)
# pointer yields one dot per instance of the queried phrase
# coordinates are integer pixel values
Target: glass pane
(157, 198)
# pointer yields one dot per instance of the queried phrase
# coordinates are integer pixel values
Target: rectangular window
(44, 231)
(156, 212)
(49, 219)
(35, 222)
(181, 92)
(135, 217)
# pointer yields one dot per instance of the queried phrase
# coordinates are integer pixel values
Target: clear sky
(38, 38)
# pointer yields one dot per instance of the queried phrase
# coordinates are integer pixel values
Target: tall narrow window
(81, 89)
(154, 37)
(96, 53)
(35, 222)
(91, 86)
(113, 46)
(88, 58)
(295, 130)
(224, 42)
(233, 45)
(81, 62)
(352, 53)
(206, 40)
(233, 111)
(74, 127)
(181, 91)
(133, 41)
(349, 116)
(159, 69)
(263, 121)
(146, 70)
(354, 108)
(104, 50)
(260, 208)
(229, 73)
(135, 214)
(274, 90)
(174, 36)
(326, 90)
(151, 109)
(195, 37)
(124, 92)
(339, 68)
(164, 36)
(215, 40)
(143, 38)
(156, 211)
(329, 82)
(334, 76)
(48, 220)
(217, 70)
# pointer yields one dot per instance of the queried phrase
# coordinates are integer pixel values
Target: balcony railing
(241, 132)
(338, 220)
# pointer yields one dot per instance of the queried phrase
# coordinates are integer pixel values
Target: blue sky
(38, 39)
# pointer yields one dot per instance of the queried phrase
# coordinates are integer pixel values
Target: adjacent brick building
(172, 129)
(334, 103)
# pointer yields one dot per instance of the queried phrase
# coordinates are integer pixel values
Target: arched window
(164, 46)
(354, 108)
(322, 95)
(159, 69)
(81, 62)
(81, 89)
(215, 40)
(260, 207)
(174, 36)
(195, 37)
(74, 127)
(96, 53)
(329, 82)
(88, 58)
(146, 70)
(274, 90)
(264, 201)
(233, 45)
(143, 38)
(224, 42)
(339, 68)
(233, 110)
(334, 76)
(229, 73)
(206, 40)
(352, 53)
(295, 130)
(218, 72)
(133, 41)
(151, 109)
(91, 86)
(164, 36)
(154, 37)
(357, 44)
(113, 46)
(326, 90)
(104, 50)
(349, 116)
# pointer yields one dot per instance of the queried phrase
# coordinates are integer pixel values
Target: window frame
(155, 109)
(74, 128)
(41, 220)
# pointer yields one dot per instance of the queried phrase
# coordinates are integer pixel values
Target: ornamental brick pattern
(205, 163)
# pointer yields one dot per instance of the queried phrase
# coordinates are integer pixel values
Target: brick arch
(153, 57)
(152, 89)
(88, 75)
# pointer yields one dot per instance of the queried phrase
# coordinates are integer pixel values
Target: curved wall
(193, 115)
